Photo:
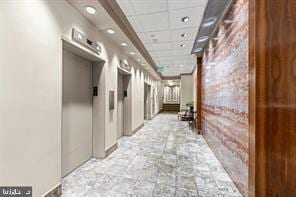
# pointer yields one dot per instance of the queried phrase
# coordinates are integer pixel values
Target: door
(120, 105)
(147, 101)
(76, 112)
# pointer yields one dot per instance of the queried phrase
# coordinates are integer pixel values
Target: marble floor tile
(164, 191)
(164, 158)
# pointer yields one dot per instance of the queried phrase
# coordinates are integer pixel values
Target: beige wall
(186, 91)
(194, 82)
(30, 93)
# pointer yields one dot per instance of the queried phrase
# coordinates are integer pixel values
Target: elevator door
(120, 105)
(76, 112)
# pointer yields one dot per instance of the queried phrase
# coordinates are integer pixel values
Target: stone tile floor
(163, 159)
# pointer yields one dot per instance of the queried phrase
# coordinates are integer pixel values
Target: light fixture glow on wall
(138, 59)
(228, 21)
(203, 39)
(197, 50)
(216, 38)
(132, 53)
(123, 44)
(110, 31)
(209, 21)
(91, 10)
(185, 19)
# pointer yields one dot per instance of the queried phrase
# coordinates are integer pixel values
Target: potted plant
(190, 105)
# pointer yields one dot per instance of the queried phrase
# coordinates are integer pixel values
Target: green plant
(190, 104)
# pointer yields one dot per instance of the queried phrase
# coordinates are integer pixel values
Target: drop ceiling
(103, 21)
(158, 23)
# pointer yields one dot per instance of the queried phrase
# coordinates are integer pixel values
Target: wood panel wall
(199, 94)
(272, 100)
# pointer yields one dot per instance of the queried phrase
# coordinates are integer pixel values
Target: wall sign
(83, 40)
(160, 69)
(125, 66)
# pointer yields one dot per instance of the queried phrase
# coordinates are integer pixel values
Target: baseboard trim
(111, 149)
(56, 191)
(156, 114)
(136, 129)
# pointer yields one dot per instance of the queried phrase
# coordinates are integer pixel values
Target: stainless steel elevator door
(76, 112)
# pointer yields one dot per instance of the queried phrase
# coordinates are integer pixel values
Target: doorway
(82, 73)
(123, 103)
(147, 101)
(120, 103)
(76, 111)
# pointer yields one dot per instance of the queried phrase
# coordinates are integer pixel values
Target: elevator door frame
(127, 102)
(98, 110)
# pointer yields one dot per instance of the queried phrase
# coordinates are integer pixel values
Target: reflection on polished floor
(163, 159)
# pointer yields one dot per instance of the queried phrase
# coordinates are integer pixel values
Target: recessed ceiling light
(110, 31)
(91, 10)
(209, 21)
(132, 53)
(185, 19)
(138, 59)
(123, 44)
(183, 35)
(216, 38)
(182, 45)
(203, 39)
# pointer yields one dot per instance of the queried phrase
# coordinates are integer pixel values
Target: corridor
(164, 158)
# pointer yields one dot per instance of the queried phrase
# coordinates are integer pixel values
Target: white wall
(186, 91)
(30, 89)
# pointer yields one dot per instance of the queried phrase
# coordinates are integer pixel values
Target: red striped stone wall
(225, 95)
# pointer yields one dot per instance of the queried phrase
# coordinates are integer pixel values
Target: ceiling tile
(178, 4)
(159, 26)
(149, 47)
(190, 34)
(159, 36)
(165, 59)
(162, 46)
(181, 52)
(187, 45)
(149, 21)
(134, 21)
(150, 6)
(126, 7)
(195, 15)
(164, 53)
(143, 37)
